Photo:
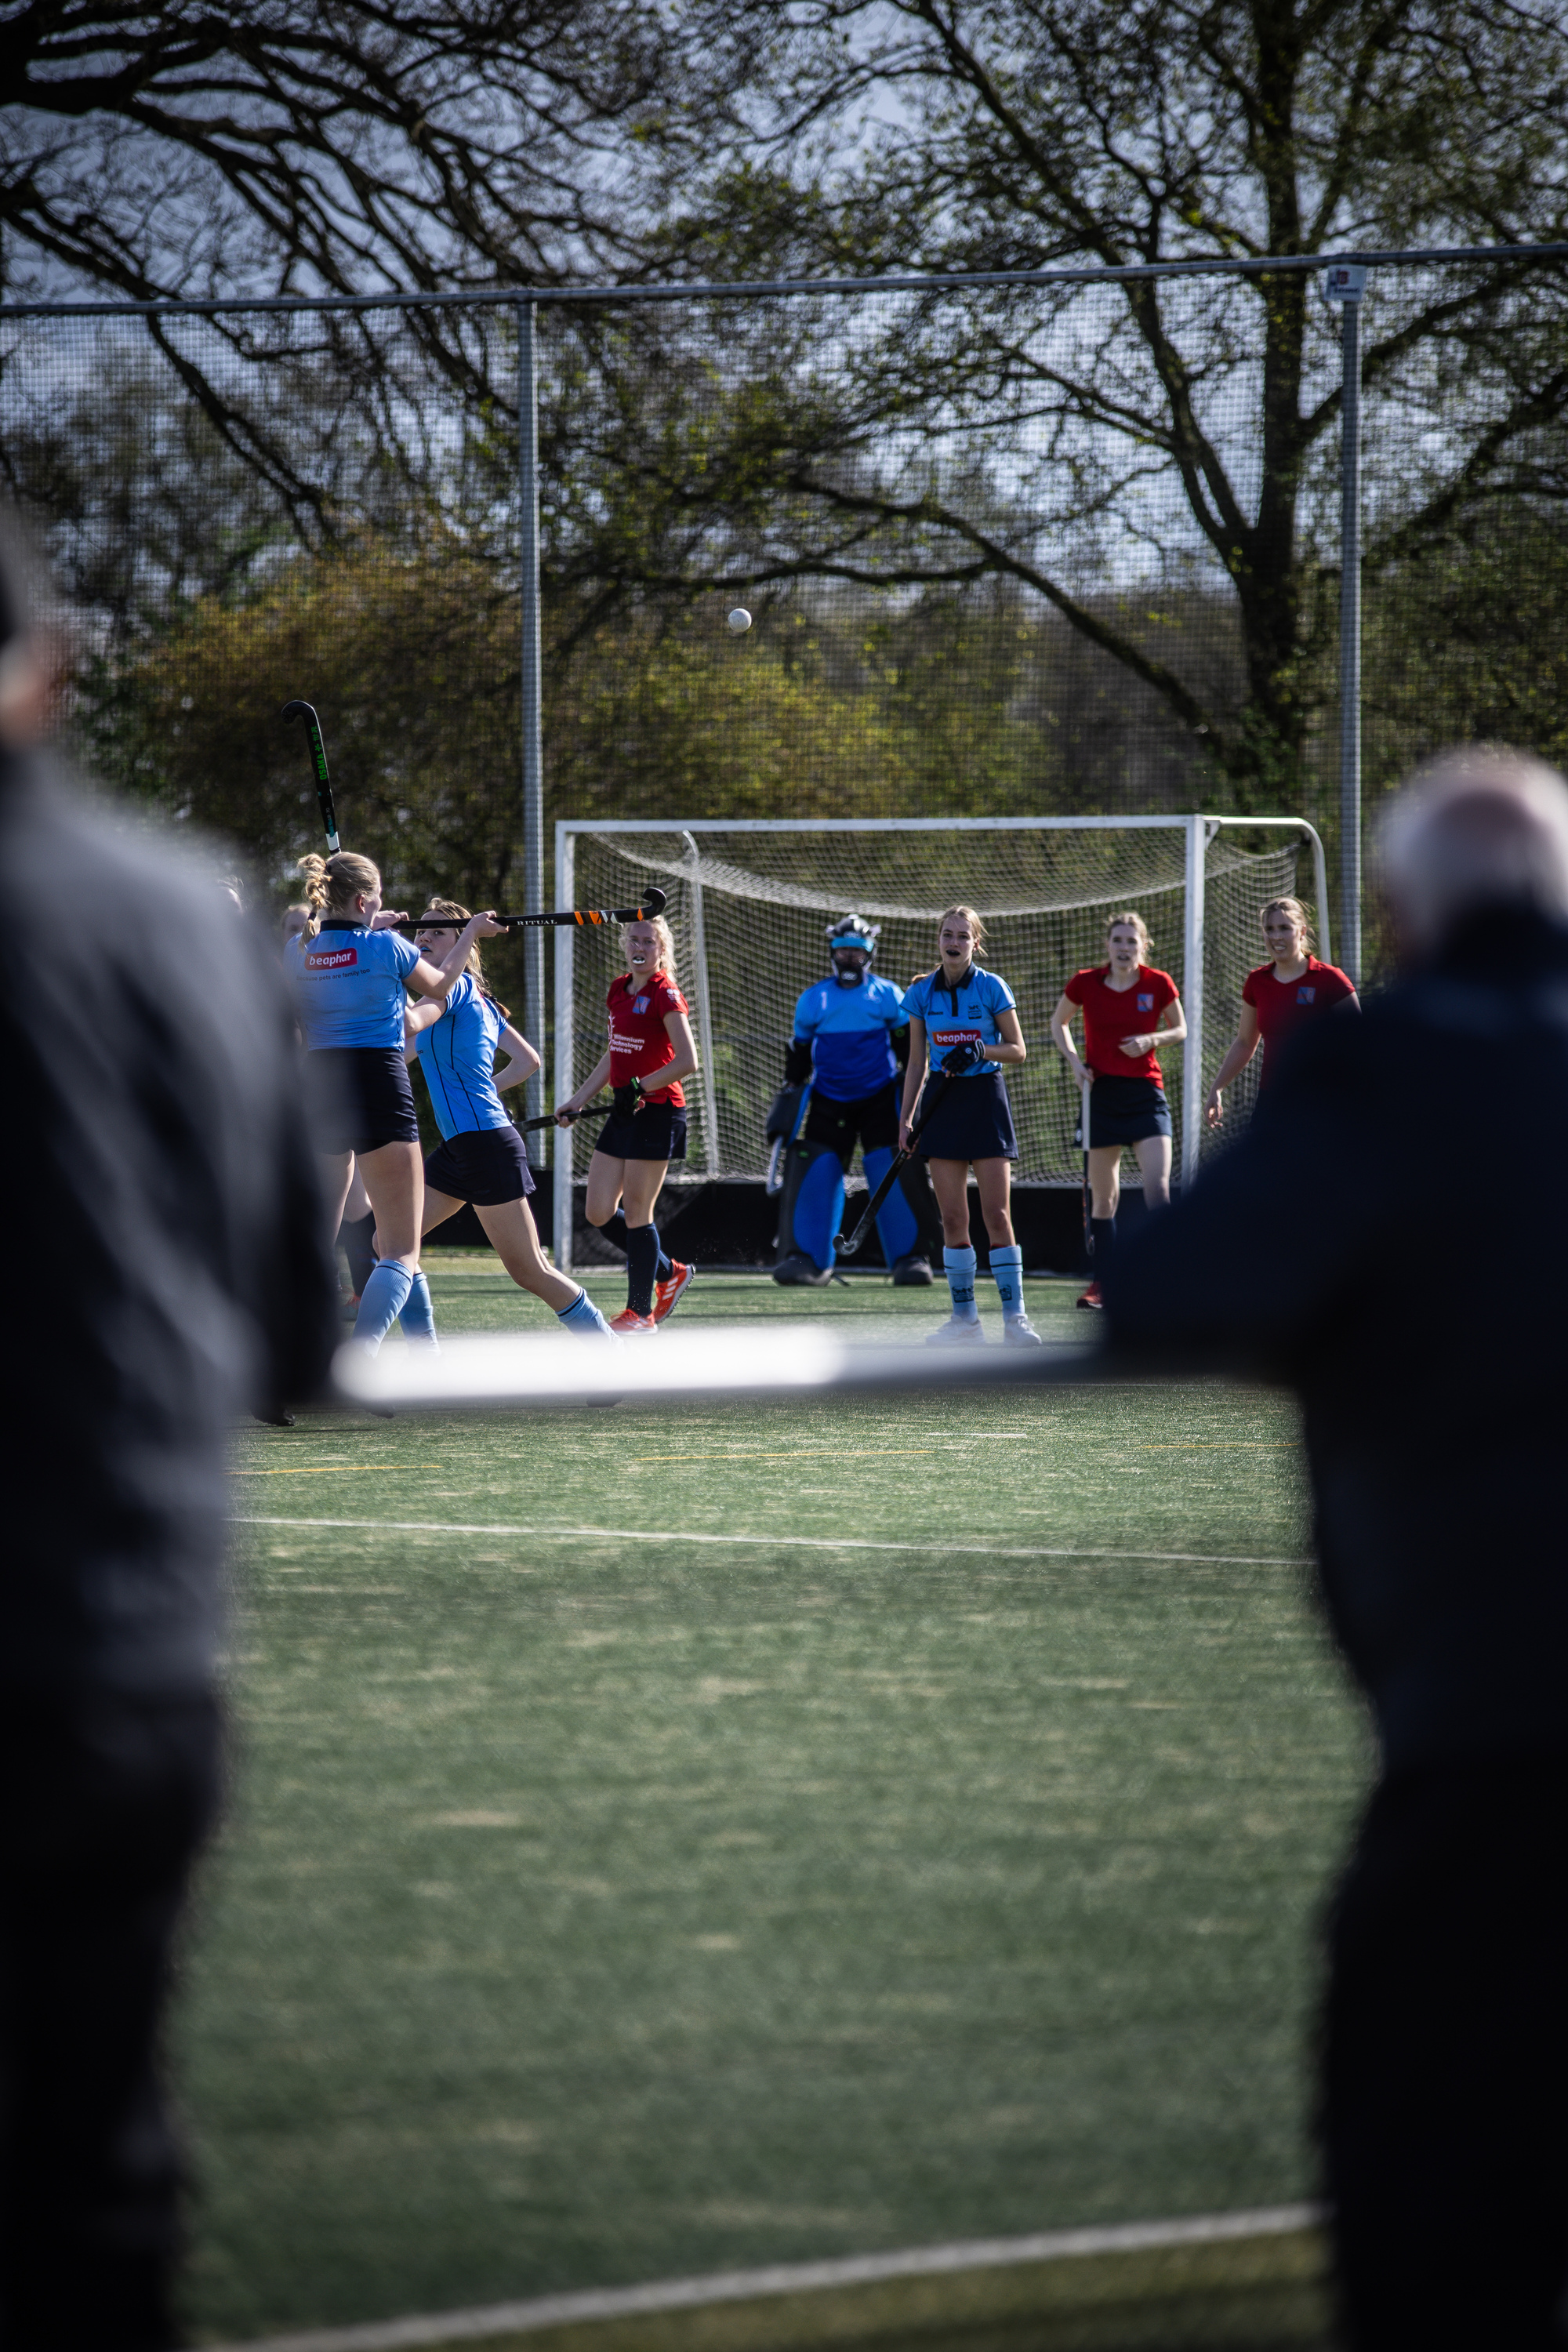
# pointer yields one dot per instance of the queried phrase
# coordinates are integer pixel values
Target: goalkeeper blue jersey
(850, 1030)
(457, 1056)
(966, 1014)
(347, 984)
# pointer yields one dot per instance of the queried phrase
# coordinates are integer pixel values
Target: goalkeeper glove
(797, 1062)
(627, 1098)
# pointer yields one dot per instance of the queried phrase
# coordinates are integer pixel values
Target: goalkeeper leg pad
(809, 1213)
(898, 1228)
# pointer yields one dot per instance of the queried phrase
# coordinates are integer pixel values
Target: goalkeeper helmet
(854, 934)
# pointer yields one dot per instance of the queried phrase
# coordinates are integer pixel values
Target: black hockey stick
(1087, 1189)
(847, 1245)
(653, 904)
(548, 1118)
(307, 712)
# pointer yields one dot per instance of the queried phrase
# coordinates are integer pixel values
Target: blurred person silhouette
(1332, 1251)
(168, 1272)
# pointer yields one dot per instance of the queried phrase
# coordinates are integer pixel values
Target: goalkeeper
(840, 1074)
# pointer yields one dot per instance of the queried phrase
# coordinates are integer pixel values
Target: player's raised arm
(481, 1157)
(348, 972)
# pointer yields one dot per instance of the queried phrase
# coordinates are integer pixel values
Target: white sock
(582, 1316)
(1007, 1266)
(959, 1264)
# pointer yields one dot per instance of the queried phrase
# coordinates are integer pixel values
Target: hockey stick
(653, 904)
(548, 1118)
(307, 712)
(1087, 1189)
(847, 1245)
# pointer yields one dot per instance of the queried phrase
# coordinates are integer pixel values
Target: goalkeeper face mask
(851, 944)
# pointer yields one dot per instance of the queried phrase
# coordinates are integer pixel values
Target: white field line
(776, 1543)
(789, 2278)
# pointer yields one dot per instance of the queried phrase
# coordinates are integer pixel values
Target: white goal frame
(1198, 830)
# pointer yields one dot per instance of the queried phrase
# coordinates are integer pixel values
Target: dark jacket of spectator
(166, 1267)
(1366, 1244)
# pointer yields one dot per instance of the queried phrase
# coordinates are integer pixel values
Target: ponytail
(333, 884)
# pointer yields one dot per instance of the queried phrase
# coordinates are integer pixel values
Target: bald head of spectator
(1478, 829)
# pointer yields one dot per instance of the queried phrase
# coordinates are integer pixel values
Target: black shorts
(872, 1121)
(486, 1165)
(1126, 1110)
(972, 1121)
(358, 1097)
(658, 1131)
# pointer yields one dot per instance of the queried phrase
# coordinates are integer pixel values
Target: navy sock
(1103, 1230)
(356, 1236)
(662, 1270)
(642, 1267)
(616, 1231)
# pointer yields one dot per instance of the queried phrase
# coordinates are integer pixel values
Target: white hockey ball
(739, 621)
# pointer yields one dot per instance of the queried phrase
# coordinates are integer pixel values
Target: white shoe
(1019, 1332)
(954, 1334)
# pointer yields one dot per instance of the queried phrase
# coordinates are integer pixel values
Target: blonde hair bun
(333, 884)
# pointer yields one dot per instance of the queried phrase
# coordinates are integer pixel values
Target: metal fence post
(562, 1157)
(1192, 945)
(704, 1016)
(1345, 284)
(532, 733)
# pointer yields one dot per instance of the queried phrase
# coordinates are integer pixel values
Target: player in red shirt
(1278, 997)
(1128, 1007)
(651, 1049)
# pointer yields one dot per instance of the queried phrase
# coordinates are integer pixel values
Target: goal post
(749, 901)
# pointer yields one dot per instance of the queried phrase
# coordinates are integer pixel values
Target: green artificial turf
(594, 1908)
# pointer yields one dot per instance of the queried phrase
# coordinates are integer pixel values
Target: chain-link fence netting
(1014, 549)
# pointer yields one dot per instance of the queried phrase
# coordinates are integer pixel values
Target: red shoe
(1091, 1296)
(627, 1323)
(667, 1292)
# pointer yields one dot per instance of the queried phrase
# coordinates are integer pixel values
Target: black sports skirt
(1126, 1110)
(974, 1120)
(658, 1131)
(486, 1165)
(358, 1097)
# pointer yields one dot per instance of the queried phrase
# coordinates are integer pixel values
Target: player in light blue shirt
(840, 1091)
(482, 1159)
(964, 1023)
(348, 977)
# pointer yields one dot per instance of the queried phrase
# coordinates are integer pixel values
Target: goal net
(749, 905)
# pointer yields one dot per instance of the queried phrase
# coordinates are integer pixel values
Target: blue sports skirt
(974, 1120)
(486, 1165)
(1126, 1110)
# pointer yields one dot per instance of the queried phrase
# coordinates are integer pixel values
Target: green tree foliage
(1167, 427)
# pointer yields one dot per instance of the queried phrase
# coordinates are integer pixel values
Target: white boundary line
(790, 2278)
(778, 1543)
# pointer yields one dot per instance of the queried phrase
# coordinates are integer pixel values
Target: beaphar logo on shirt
(331, 959)
(1146, 1004)
(1306, 996)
